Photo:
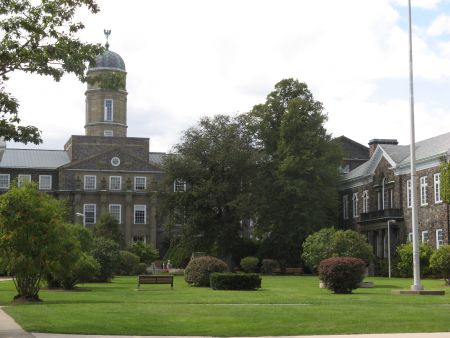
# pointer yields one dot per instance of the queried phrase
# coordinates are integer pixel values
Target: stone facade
(378, 192)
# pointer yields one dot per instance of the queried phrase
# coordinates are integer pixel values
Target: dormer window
(109, 110)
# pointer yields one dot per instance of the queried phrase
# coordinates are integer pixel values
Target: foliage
(177, 254)
(244, 247)
(249, 264)
(198, 270)
(128, 263)
(329, 242)
(146, 253)
(30, 236)
(217, 160)
(342, 274)
(141, 269)
(235, 281)
(405, 256)
(39, 37)
(108, 227)
(106, 252)
(296, 182)
(440, 262)
(445, 181)
(84, 270)
(111, 80)
(269, 265)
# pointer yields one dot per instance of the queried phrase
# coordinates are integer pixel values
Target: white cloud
(440, 26)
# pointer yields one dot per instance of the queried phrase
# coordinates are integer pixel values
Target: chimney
(376, 141)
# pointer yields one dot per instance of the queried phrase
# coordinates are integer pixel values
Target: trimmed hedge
(198, 270)
(249, 264)
(342, 274)
(235, 281)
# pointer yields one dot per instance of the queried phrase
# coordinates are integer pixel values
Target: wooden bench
(155, 279)
(290, 271)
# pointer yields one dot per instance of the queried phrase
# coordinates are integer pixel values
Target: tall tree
(297, 178)
(39, 37)
(216, 160)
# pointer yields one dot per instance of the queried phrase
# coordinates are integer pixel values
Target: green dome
(108, 60)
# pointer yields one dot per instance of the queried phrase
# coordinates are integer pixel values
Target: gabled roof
(399, 156)
(33, 158)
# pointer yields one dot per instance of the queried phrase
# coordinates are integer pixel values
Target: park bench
(290, 271)
(155, 279)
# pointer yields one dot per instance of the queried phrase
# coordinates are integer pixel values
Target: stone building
(379, 191)
(103, 171)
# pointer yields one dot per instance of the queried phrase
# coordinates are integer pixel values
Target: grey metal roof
(156, 158)
(108, 60)
(426, 149)
(33, 158)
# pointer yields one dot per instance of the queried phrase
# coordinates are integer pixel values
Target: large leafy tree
(217, 160)
(298, 173)
(39, 37)
(31, 229)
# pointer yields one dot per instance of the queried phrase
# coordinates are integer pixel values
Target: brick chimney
(376, 141)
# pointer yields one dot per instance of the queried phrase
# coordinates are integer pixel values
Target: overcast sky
(189, 58)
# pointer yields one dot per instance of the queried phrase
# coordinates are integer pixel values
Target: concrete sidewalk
(9, 328)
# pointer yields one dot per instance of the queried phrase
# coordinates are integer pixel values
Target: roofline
(352, 141)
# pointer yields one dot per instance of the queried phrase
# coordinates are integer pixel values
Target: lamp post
(414, 214)
(389, 245)
(79, 214)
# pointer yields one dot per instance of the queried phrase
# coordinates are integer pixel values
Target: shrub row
(235, 281)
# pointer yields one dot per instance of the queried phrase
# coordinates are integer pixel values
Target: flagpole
(414, 212)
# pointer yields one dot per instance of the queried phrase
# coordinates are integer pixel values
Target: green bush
(84, 270)
(342, 274)
(440, 262)
(146, 253)
(405, 259)
(235, 281)
(141, 269)
(128, 263)
(178, 255)
(269, 265)
(249, 264)
(329, 242)
(198, 270)
(106, 252)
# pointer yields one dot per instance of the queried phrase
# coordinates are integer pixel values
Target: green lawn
(285, 305)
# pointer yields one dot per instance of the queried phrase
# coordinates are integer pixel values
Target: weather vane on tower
(107, 34)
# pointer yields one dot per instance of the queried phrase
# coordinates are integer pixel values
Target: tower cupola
(106, 95)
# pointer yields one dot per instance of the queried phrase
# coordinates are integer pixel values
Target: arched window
(365, 198)
(355, 204)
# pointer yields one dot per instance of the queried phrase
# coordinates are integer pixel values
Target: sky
(195, 58)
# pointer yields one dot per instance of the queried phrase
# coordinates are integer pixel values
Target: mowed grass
(286, 305)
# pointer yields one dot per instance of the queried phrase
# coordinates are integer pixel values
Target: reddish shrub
(342, 274)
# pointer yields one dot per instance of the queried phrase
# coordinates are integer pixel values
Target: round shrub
(106, 252)
(249, 264)
(342, 274)
(198, 270)
(128, 263)
(440, 262)
(141, 269)
(405, 259)
(235, 281)
(269, 265)
(146, 253)
(85, 269)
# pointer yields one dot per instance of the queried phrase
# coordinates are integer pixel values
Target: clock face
(115, 161)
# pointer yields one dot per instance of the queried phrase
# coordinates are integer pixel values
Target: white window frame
(439, 238)
(5, 178)
(425, 237)
(179, 185)
(410, 237)
(88, 185)
(140, 187)
(423, 191)
(345, 207)
(117, 216)
(41, 183)
(22, 179)
(379, 201)
(94, 210)
(408, 194)
(365, 200)
(437, 188)
(135, 239)
(140, 207)
(106, 110)
(355, 204)
(111, 186)
(108, 133)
